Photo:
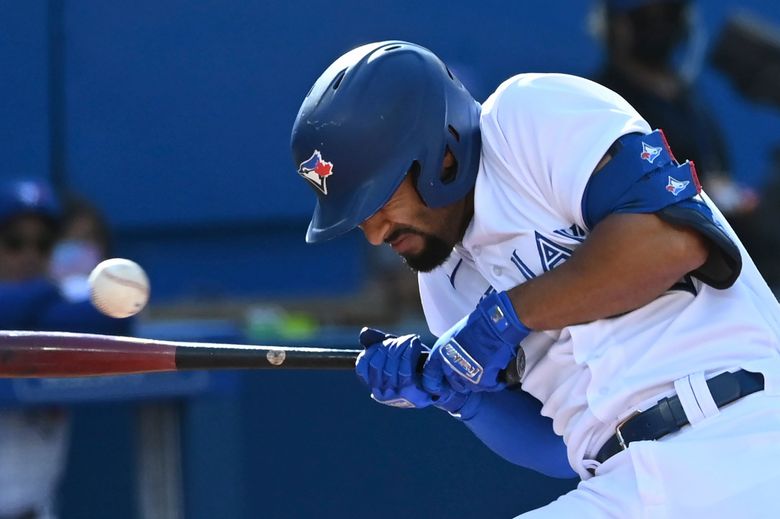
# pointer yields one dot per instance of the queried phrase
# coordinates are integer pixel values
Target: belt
(668, 416)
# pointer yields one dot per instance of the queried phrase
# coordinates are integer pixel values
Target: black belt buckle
(668, 416)
(619, 433)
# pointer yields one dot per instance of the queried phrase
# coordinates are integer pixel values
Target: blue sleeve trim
(644, 177)
(641, 177)
(510, 423)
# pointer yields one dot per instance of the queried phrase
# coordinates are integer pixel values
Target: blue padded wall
(24, 115)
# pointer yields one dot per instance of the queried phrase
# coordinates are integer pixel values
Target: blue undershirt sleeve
(511, 425)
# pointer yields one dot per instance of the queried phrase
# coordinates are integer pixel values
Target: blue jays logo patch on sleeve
(650, 153)
(675, 186)
(316, 171)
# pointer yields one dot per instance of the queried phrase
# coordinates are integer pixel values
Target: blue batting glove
(471, 354)
(388, 366)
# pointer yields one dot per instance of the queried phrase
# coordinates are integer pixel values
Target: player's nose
(375, 229)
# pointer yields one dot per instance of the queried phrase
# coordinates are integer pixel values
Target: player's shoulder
(544, 91)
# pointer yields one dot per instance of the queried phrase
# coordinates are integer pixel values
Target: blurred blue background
(174, 118)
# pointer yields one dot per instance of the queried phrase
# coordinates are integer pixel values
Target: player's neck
(467, 215)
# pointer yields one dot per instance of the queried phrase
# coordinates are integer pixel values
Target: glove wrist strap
(503, 319)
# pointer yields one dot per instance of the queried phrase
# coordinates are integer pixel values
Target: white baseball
(119, 287)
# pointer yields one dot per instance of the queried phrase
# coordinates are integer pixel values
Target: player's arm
(649, 227)
(509, 423)
(627, 261)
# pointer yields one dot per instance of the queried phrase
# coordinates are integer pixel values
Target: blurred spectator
(763, 235)
(747, 51)
(33, 441)
(84, 241)
(653, 53)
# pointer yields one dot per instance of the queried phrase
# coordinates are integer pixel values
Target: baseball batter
(554, 224)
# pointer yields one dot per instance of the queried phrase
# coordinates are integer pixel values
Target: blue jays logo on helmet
(316, 171)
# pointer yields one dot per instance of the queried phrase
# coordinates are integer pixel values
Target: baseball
(119, 287)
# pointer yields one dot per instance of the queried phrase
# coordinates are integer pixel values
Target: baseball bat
(63, 354)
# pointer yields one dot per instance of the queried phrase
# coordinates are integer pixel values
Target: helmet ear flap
(447, 175)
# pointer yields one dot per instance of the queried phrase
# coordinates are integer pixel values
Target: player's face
(422, 235)
(25, 245)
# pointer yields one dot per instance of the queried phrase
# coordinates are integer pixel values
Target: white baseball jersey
(542, 137)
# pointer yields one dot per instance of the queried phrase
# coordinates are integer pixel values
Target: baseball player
(552, 224)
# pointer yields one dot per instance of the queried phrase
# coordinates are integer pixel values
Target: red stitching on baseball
(126, 282)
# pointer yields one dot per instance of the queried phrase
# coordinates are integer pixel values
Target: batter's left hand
(388, 366)
(471, 354)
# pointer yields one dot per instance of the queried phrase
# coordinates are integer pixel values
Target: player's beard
(435, 251)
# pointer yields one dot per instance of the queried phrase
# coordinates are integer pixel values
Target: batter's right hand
(388, 366)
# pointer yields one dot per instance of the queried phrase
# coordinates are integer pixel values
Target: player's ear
(449, 168)
(449, 159)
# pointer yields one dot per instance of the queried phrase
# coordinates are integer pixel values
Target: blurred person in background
(33, 441)
(654, 51)
(84, 241)
(765, 239)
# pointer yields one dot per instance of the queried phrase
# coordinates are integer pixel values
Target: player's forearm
(626, 262)
(511, 425)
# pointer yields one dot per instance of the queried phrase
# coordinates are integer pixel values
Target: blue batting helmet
(376, 113)
(18, 197)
